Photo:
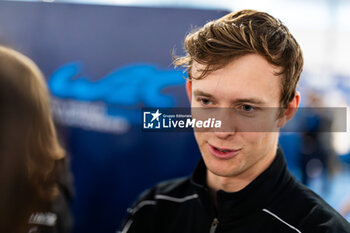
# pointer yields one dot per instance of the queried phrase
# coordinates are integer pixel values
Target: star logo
(156, 115)
(151, 119)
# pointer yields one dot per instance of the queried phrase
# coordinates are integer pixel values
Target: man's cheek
(252, 138)
(201, 137)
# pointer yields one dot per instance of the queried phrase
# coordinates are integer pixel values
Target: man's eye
(247, 108)
(205, 101)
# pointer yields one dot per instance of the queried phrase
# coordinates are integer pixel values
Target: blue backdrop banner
(103, 65)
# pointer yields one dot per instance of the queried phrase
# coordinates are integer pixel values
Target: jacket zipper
(214, 225)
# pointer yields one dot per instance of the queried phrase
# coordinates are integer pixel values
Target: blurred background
(106, 60)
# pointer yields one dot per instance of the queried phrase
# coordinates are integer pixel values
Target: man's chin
(221, 168)
(227, 173)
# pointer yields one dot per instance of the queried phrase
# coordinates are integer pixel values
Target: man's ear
(290, 111)
(189, 89)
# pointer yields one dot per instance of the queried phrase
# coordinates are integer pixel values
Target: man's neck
(240, 181)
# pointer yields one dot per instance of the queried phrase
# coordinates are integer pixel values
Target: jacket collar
(255, 196)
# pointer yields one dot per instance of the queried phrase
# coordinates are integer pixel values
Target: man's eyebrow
(201, 93)
(236, 101)
(248, 100)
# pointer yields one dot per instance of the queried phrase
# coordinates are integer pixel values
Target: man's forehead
(248, 79)
(198, 68)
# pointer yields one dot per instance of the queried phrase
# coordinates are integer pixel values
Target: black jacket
(56, 217)
(273, 203)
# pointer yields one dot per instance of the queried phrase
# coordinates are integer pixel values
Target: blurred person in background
(317, 157)
(36, 185)
(248, 62)
(345, 208)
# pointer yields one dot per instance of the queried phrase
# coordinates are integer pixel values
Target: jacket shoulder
(175, 188)
(319, 216)
(303, 208)
(141, 216)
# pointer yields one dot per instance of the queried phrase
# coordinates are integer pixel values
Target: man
(247, 61)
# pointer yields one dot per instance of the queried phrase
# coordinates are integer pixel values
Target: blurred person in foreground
(247, 61)
(35, 180)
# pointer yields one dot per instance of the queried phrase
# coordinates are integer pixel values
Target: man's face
(247, 84)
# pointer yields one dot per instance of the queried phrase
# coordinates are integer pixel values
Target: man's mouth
(222, 150)
(223, 153)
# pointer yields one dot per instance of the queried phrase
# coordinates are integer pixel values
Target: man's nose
(224, 135)
(228, 127)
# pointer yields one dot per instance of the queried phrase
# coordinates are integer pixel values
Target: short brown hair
(244, 32)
